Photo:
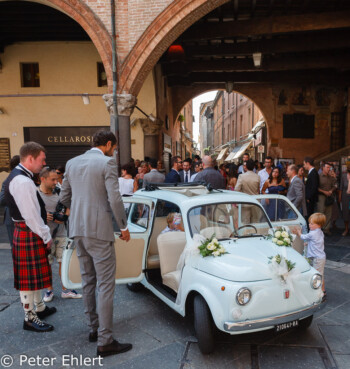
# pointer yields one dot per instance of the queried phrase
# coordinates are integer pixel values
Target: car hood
(247, 260)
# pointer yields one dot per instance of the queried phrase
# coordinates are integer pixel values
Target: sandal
(324, 298)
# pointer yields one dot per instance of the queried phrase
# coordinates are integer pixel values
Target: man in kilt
(31, 238)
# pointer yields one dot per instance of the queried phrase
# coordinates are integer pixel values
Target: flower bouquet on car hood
(281, 236)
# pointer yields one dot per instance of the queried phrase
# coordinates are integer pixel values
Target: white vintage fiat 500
(216, 255)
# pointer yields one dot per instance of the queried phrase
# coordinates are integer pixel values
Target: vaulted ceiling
(302, 41)
(22, 21)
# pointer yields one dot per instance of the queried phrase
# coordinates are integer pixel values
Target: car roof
(187, 196)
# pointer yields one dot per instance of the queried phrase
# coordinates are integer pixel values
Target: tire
(305, 323)
(134, 287)
(203, 325)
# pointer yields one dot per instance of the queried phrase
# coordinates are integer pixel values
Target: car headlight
(316, 281)
(243, 296)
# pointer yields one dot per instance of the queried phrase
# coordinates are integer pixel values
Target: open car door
(130, 256)
(282, 212)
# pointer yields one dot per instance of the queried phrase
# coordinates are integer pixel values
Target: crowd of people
(39, 200)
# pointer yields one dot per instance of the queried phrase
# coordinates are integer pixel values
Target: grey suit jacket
(154, 176)
(296, 194)
(91, 190)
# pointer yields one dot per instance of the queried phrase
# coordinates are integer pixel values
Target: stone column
(126, 104)
(151, 132)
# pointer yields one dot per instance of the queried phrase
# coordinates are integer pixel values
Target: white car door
(282, 212)
(130, 256)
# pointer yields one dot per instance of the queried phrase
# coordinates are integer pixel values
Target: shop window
(30, 75)
(101, 75)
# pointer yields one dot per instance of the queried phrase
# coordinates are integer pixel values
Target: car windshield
(229, 220)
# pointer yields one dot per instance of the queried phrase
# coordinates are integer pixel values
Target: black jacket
(311, 186)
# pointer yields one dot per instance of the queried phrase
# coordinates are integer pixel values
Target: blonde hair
(170, 217)
(318, 218)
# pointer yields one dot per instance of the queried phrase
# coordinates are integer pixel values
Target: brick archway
(86, 18)
(166, 28)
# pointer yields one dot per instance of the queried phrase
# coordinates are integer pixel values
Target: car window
(228, 220)
(278, 210)
(138, 216)
(167, 218)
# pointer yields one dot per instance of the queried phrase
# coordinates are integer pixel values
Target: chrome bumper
(272, 321)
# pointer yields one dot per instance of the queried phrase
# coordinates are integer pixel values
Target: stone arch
(165, 29)
(92, 25)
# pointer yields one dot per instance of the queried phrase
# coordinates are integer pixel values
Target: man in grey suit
(90, 189)
(154, 176)
(296, 190)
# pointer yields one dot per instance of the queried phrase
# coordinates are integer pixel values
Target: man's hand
(49, 217)
(49, 244)
(125, 235)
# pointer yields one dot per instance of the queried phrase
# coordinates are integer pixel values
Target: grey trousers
(97, 268)
(326, 210)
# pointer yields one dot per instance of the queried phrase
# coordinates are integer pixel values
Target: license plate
(284, 326)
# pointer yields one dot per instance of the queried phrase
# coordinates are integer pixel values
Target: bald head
(207, 162)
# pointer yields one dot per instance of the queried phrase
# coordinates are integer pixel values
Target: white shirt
(188, 173)
(264, 176)
(193, 177)
(241, 171)
(292, 180)
(24, 192)
(315, 244)
(126, 186)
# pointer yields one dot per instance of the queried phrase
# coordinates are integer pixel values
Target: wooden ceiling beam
(339, 62)
(297, 43)
(268, 26)
(308, 77)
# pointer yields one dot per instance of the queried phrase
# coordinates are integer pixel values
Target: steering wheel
(247, 225)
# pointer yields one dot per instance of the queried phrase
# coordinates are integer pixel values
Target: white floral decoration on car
(281, 266)
(211, 247)
(281, 236)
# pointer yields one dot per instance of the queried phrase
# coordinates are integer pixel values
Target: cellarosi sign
(69, 139)
(62, 136)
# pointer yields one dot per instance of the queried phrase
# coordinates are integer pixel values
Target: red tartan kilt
(31, 267)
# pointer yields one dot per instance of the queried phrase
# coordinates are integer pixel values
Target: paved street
(163, 339)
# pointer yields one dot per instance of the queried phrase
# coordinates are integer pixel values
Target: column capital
(125, 102)
(149, 127)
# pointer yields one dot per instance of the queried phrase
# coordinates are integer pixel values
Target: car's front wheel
(203, 325)
(305, 323)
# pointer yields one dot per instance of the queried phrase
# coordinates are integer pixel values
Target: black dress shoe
(113, 348)
(93, 336)
(46, 312)
(37, 325)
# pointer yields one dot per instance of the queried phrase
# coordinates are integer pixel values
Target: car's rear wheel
(305, 323)
(134, 287)
(203, 325)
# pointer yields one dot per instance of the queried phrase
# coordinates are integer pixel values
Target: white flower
(278, 234)
(215, 240)
(222, 250)
(211, 246)
(287, 240)
(216, 253)
(274, 240)
(284, 234)
(280, 243)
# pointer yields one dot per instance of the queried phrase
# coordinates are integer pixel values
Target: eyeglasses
(179, 162)
(58, 172)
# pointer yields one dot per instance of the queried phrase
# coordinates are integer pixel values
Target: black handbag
(329, 200)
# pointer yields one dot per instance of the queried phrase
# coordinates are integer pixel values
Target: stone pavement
(163, 339)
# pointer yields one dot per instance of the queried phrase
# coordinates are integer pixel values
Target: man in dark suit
(173, 176)
(296, 190)
(311, 186)
(186, 172)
